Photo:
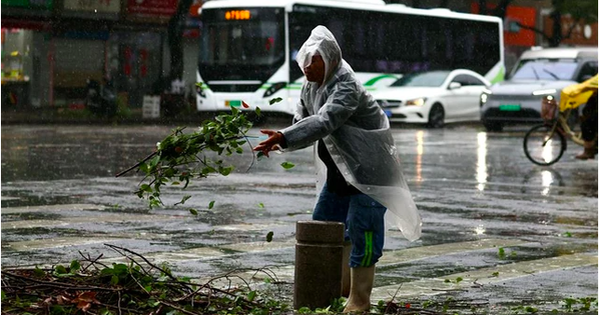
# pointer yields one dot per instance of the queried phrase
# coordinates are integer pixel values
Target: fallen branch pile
(137, 287)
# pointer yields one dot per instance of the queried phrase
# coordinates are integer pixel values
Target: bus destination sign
(237, 15)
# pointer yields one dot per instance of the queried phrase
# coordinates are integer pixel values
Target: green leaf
(459, 279)
(257, 110)
(261, 205)
(2, 295)
(146, 188)
(287, 165)
(38, 272)
(114, 280)
(270, 236)
(60, 269)
(211, 204)
(275, 100)
(501, 253)
(183, 199)
(251, 296)
(194, 211)
(75, 266)
(226, 170)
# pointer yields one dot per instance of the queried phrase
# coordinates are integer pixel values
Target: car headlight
(544, 92)
(483, 98)
(416, 102)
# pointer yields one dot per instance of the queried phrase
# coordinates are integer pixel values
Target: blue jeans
(363, 218)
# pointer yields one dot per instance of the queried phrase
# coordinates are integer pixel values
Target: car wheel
(493, 126)
(436, 116)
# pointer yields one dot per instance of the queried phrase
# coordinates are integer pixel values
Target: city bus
(248, 48)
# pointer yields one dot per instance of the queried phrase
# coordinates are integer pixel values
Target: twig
(63, 285)
(393, 298)
(177, 308)
(131, 259)
(119, 303)
(167, 273)
(91, 261)
(137, 164)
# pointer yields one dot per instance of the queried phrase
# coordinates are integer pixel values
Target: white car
(433, 97)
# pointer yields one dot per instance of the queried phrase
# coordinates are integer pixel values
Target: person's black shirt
(335, 180)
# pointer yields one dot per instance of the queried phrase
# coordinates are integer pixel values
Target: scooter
(100, 100)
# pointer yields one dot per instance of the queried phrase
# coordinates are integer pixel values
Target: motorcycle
(100, 100)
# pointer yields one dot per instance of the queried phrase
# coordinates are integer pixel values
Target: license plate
(388, 113)
(510, 107)
(233, 103)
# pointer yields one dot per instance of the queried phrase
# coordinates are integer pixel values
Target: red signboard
(152, 8)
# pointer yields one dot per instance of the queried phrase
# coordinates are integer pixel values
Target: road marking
(106, 218)
(65, 207)
(5, 198)
(56, 242)
(435, 286)
(422, 252)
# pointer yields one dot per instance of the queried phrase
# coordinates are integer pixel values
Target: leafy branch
(181, 157)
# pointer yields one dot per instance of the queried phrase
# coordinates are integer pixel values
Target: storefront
(49, 54)
(25, 26)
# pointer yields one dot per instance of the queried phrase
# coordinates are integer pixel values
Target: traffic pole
(318, 268)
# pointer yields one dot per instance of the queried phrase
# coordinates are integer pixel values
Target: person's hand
(272, 143)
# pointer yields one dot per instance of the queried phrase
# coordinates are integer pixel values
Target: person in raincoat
(354, 141)
(584, 93)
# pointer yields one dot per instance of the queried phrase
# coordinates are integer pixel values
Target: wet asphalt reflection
(60, 196)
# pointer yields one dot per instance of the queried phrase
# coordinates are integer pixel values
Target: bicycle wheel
(543, 147)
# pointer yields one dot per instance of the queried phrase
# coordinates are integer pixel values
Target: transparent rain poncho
(355, 131)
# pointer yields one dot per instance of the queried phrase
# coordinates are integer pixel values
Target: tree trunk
(500, 10)
(483, 7)
(557, 36)
(175, 35)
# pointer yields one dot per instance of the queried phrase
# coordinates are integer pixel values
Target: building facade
(50, 48)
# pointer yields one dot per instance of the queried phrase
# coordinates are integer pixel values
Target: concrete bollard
(318, 271)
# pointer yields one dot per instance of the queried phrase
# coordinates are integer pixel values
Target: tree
(580, 11)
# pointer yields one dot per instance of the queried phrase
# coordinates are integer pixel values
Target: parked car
(538, 73)
(433, 97)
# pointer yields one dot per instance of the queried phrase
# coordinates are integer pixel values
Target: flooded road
(512, 230)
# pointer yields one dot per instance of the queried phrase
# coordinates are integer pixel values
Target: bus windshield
(242, 37)
(426, 79)
(546, 69)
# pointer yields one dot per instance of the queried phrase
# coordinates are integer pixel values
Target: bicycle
(545, 144)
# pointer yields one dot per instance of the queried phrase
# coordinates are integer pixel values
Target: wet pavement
(515, 233)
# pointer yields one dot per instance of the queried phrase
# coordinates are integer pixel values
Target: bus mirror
(274, 88)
